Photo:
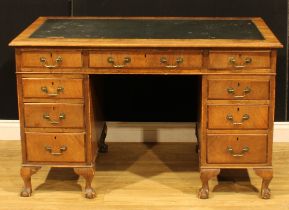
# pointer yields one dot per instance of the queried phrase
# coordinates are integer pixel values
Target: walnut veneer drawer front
(238, 116)
(55, 147)
(54, 59)
(154, 59)
(238, 89)
(231, 149)
(239, 60)
(58, 115)
(52, 88)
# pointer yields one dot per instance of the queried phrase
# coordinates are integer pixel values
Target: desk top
(147, 32)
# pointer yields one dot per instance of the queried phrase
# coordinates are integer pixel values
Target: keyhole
(238, 84)
(54, 137)
(53, 108)
(238, 109)
(52, 83)
(237, 138)
(145, 55)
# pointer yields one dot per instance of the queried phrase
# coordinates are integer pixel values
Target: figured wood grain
(217, 148)
(68, 58)
(34, 115)
(70, 88)
(146, 58)
(259, 88)
(36, 144)
(258, 116)
(221, 59)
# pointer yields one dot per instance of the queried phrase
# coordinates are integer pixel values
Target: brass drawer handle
(54, 122)
(44, 63)
(230, 118)
(62, 149)
(233, 62)
(241, 154)
(58, 91)
(126, 60)
(246, 91)
(178, 61)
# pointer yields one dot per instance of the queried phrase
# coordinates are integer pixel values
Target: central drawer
(151, 59)
(55, 147)
(53, 115)
(234, 148)
(238, 116)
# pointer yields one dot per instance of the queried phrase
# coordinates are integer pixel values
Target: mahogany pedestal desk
(59, 107)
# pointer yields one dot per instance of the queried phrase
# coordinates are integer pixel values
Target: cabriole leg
(206, 175)
(266, 174)
(26, 173)
(87, 174)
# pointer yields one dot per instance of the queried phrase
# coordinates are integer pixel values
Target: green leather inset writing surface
(148, 29)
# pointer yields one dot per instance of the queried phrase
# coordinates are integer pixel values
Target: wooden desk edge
(23, 39)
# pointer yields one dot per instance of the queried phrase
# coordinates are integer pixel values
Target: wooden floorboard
(142, 176)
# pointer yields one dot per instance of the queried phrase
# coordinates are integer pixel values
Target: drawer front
(238, 89)
(155, 59)
(171, 60)
(238, 116)
(51, 60)
(53, 115)
(116, 59)
(52, 88)
(235, 149)
(55, 147)
(239, 60)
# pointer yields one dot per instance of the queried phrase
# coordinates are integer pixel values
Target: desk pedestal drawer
(55, 147)
(231, 149)
(52, 88)
(238, 89)
(55, 115)
(238, 116)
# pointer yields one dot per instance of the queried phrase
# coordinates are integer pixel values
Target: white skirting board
(144, 131)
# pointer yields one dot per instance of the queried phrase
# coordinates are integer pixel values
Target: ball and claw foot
(203, 193)
(25, 192)
(266, 193)
(89, 193)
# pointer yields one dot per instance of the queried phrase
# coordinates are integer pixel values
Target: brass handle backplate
(126, 60)
(230, 118)
(233, 62)
(62, 149)
(44, 63)
(246, 91)
(234, 154)
(178, 61)
(58, 91)
(54, 122)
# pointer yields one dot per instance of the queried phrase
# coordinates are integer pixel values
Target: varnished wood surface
(269, 42)
(135, 176)
(243, 88)
(243, 60)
